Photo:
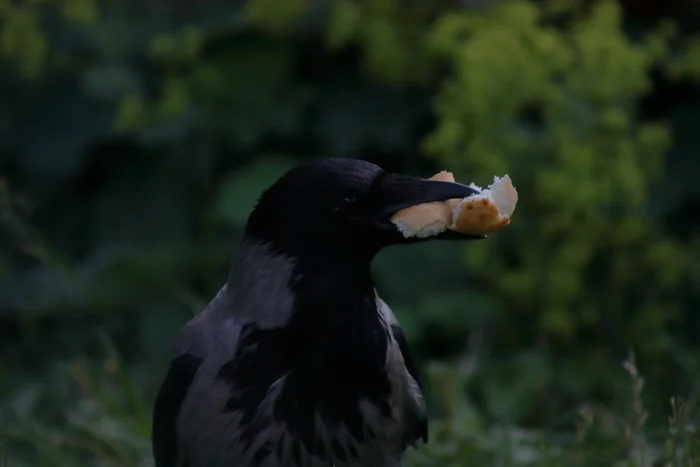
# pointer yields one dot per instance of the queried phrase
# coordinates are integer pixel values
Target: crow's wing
(193, 423)
(405, 351)
(191, 349)
(167, 407)
(421, 420)
(418, 422)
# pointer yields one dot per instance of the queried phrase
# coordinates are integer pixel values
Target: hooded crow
(297, 362)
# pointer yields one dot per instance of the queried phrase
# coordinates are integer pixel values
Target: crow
(297, 362)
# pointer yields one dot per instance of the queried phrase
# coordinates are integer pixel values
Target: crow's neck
(330, 351)
(326, 300)
(341, 302)
(336, 330)
(338, 304)
(310, 321)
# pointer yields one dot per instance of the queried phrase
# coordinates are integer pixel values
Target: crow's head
(342, 207)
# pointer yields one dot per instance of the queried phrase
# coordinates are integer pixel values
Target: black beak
(403, 192)
(429, 191)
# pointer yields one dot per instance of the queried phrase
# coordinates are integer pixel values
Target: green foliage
(275, 17)
(240, 192)
(550, 93)
(594, 164)
(108, 424)
(21, 38)
(391, 33)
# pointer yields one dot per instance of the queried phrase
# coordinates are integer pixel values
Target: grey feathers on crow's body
(297, 362)
(208, 434)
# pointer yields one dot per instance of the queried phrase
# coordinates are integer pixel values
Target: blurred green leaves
(239, 193)
(158, 326)
(62, 122)
(22, 40)
(275, 17)
(110, 81)
(245, 91)
(174, 48)
(595, 161)
(107, 423)
(80, 11)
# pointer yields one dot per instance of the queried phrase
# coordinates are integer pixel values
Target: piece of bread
(427, 219)
(486, 212)
(479, 214)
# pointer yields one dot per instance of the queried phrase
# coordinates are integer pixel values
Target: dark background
(136, 136)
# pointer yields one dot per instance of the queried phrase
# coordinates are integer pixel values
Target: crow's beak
(427, 191)
(402, 192)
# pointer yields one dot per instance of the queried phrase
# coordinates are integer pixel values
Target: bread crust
(427, 219)
(479, 214)
(487, 212)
